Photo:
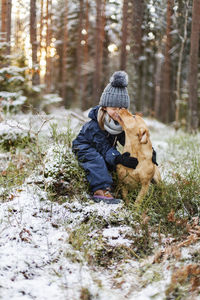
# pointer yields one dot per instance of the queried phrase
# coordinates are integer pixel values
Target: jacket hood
(93, 113)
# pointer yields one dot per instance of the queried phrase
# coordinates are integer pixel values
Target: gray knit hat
(115, 93)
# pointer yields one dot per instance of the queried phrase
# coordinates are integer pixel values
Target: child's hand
(126, 160)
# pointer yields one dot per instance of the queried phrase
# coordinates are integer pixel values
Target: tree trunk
(41, 35)
(48, 45)
(3, 20)
(79, 57)
(124, 36)
(6, 6)
(167, 70)
(138, 12)
(136, 48)
(158, 72)
(85, 102)
(18, 29)
(8, 25)
(33, 41)
(100, 6)
(193, 67)
(64, 54)
(178, 76)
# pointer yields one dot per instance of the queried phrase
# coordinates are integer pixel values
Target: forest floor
(57, 244)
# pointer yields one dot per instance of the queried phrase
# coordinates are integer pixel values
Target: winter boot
(105, 196)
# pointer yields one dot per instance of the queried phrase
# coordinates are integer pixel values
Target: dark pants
(96, 169)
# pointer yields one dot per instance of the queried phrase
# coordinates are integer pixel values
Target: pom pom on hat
(115, 93)
(119, 79)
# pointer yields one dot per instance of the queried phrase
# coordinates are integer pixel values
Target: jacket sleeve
(97, 139)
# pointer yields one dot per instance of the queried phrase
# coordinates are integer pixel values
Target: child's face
(113, 112)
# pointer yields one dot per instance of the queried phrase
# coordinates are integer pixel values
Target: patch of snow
(115, 236)
(33, 249)
(17, 78)
(12, 70)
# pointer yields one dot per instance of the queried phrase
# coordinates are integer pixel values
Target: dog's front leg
(142, 193)
(124, 195)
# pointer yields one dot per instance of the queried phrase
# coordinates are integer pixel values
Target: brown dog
(138, 144)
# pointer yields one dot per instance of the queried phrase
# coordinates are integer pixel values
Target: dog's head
(125, 119)
(134, 126)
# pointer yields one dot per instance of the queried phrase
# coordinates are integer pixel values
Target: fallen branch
(80, 118)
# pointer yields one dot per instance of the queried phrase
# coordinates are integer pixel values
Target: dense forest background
(53, 50)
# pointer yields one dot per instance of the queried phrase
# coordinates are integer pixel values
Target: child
(95, 145)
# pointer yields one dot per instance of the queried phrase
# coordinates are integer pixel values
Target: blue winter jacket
(92, 136)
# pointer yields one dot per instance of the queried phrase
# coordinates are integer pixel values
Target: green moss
(12, 140)
(16, 171)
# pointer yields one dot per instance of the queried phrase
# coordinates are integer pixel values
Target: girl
(95, 145)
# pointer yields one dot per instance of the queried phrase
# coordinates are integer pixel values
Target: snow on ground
(35, 255)
(29, 243)
(30, 246)
(33, 250)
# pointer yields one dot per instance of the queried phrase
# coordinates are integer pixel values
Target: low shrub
(12, 137)
(63, 174)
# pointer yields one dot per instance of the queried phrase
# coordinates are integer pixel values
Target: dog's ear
(140, 114)
(143, 135)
